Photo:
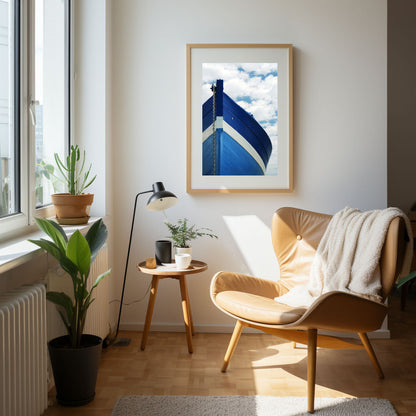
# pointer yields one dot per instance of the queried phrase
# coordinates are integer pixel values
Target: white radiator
(23, 355)
(98, 315)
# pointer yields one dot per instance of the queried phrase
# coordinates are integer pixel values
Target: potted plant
(182, 234)
(75, 356)
(73, 206)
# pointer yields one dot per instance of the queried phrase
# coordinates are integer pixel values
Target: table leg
(149, 313)
(186, 312)
(189, 309)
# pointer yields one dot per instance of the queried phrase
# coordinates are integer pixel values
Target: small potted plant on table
(73, 207)
(182, 234)
(75, 356)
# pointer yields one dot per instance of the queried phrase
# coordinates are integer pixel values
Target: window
(9, 108)
(51, 92)
(34, 104)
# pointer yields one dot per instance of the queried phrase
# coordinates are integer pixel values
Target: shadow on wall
(253, 239)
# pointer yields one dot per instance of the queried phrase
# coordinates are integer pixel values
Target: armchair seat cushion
(257, 308)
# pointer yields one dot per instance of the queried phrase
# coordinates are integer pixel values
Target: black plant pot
(75, 369)
(163, 251)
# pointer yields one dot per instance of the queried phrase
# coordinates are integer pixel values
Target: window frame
(18, 104)
(15, 221)
(24, 139)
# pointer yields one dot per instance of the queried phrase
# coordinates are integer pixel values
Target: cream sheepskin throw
(348, 255)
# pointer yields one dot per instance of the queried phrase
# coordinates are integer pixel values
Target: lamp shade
(161, 199)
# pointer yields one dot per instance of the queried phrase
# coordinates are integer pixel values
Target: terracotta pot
(72, 209)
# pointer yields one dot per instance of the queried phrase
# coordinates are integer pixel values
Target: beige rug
(247, 406)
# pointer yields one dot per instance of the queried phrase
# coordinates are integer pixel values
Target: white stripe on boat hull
(234, 134)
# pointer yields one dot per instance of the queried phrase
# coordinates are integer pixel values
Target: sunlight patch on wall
(253, 239)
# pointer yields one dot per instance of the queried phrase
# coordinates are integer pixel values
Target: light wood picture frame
(239, 118)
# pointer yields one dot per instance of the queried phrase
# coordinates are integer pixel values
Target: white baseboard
(228, 329)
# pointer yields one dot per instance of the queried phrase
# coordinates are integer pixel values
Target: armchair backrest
(392, 255)
(296, 234)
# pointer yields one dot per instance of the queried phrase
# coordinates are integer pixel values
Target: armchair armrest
(343, 312)
(223, 281)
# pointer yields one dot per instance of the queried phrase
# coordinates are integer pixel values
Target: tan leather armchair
(295, 235)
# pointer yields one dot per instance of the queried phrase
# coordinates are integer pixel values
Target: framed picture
(239, 118)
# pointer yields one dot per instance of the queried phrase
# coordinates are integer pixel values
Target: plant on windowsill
(73, 206)
(182, 234)
(75, 356)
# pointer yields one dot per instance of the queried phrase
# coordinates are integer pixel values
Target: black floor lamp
(159, 201)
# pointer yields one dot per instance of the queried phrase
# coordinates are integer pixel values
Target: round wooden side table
(163, 272)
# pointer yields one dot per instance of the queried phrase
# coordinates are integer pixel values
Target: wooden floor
(262, 365)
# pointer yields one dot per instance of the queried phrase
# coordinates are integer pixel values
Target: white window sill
(17, 251)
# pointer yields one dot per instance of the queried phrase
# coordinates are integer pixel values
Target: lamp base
(122, 342)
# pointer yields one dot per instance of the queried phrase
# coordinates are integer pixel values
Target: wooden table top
(195, 267)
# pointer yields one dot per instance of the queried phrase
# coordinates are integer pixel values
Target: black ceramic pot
(163, 252)
(75, 369)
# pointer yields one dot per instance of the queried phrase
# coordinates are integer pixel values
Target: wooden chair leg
(232, 345)
(312, 340)
(369, 348)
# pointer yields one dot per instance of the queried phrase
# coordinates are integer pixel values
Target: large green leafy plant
(75, 256)
(182, 233)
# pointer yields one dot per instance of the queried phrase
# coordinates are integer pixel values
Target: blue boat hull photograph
(234, 143)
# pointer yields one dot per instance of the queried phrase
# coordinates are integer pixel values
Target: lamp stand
(159, 201)
(123, 342)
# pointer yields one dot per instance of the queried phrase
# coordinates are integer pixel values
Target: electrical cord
(134, 301)
(110, 339)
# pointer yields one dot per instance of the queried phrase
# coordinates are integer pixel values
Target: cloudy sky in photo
(253, 86)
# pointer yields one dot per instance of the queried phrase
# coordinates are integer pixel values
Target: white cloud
(259, 68)
(258, 81)
(261, 110)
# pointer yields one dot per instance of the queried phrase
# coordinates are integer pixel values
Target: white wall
(339, 130)
(92, 96)
(92, 103)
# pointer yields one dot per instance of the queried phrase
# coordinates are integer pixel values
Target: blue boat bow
(234, 143)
